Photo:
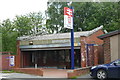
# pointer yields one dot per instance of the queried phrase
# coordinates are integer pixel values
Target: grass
(7, 71)
(10, 71)
(74, 77)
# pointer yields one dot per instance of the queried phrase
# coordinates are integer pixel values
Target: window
(118, 62)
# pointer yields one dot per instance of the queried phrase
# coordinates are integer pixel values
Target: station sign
(68, 18)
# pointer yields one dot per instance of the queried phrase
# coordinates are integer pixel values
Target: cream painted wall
(119, 46)
(115, 52)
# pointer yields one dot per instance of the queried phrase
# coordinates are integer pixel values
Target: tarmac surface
(22, 76)
(50, 74)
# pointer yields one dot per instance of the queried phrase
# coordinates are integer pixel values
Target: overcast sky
(11, 8)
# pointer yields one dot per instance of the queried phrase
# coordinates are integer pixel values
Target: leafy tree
(55, 17)
(22, 25)
(87, 16)
(28, 24)
(36, 22)
(8, 36)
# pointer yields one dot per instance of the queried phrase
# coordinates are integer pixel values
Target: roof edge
(109, 34)
(94, 30)
(87, 34)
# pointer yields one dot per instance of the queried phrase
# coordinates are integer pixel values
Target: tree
(21, 24)
(28, 24)
(55, 17)
(87, 16)
(8, 36)
(36, 22)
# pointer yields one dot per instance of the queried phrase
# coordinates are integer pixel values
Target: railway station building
(54, 50)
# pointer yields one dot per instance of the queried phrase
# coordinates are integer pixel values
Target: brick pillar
(83, 52)
(95, 55)
(17, 59)
(107, 53)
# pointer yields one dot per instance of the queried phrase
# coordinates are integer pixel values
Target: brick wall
(83, 52)
(92, 39)
(5, 61)
(77, 72)
(32, 71)
(107, 55)
(100, 54)
(0, 62)
(18, 56)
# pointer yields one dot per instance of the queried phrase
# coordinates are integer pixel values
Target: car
(110, 70)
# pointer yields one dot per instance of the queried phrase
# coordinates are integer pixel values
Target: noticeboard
(12, 61)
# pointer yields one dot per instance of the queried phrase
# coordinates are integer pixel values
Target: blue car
(110, 70)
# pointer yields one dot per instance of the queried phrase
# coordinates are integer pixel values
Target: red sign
(68, 18)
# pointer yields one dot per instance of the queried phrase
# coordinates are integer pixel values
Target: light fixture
(30, 42)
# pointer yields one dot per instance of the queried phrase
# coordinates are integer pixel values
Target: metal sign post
(72, 44)
(68, 23)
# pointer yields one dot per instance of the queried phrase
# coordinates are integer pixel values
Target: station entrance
(60, 59)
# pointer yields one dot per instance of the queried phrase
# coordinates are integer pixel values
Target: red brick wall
(100, 56)
(95, 55)
(5, 62)
(92, 39)
(30, 71)
(0, 62)
(77, 72)
(83, 51)
(107, 55)
(18, 56)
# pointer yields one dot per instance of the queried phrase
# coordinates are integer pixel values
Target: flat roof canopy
(60, 48)
(48, 46)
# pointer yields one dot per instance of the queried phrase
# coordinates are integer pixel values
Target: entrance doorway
(51, 58)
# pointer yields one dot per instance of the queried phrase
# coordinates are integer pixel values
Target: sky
(11, 8)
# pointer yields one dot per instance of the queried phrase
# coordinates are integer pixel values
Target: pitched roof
(109, 34)
(59, 35)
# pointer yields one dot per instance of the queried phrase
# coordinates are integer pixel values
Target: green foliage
(6, 71)
(87, 16)
(55, 16)
(20, 26)
(74, 77)
(0, 42)
(28, 24)
(8, 36)
(10, 71)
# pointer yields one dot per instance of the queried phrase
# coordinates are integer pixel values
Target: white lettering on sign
(69, 12)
